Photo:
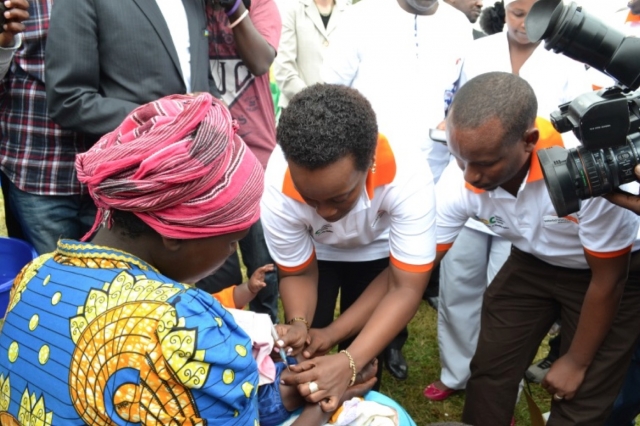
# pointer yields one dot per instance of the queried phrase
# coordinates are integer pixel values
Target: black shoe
(396, 364)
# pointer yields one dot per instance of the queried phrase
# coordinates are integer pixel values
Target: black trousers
(350, 279)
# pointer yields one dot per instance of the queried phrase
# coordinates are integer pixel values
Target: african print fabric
(96, 336)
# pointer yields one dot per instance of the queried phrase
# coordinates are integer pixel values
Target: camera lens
(567, 29)
(579, 174)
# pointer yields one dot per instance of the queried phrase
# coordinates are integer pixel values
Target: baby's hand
(256, 282)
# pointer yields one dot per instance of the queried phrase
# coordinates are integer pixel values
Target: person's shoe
(434, 394)
(536, 372)
(396, 364)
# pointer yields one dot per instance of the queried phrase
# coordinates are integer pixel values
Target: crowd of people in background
(141, 145)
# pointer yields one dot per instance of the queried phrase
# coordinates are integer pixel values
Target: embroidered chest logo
(493, 222)
(323, 229)
(378, 216)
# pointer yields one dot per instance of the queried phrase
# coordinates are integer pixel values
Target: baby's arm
(246, 292)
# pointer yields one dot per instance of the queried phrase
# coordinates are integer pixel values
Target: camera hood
(567, 29)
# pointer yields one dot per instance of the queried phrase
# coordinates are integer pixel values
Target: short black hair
(326, 122)
(492, 18)
(500, 95)
(130, 225)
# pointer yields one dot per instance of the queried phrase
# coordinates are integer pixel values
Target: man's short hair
(499, 95)
(326, 122)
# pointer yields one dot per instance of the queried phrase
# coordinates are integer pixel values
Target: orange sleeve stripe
(410, 268)
(609, 254)
(443, 247)
(293, 269)
(225, 297)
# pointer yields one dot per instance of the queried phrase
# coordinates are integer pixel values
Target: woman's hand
(319, 342)
(293, 337)
(564, 378)
(330, 373)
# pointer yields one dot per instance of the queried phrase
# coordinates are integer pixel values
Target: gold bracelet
(300, 319)
(352, 365)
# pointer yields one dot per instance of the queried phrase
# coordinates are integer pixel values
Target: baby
(276, 401)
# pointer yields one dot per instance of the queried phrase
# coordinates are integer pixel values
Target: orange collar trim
(632, 18)
(549, 137)
(385, 172)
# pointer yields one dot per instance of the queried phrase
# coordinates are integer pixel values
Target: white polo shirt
(529, 220)
(394, 217)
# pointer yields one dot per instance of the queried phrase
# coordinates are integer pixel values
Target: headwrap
(507, 2)
(177, 164)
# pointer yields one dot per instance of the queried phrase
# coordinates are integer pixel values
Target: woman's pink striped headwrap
(178, 164)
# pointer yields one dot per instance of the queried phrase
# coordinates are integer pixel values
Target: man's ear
(531, 137)
(171, 244)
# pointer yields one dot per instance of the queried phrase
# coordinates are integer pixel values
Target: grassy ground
(421, 351)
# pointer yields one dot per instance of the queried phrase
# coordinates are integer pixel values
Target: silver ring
(313, 387)
(558, 397)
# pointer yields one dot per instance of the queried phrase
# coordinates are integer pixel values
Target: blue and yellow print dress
(96, 336)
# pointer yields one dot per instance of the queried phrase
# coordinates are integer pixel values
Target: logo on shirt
(555, 220)
(493, 222)
(323, 229)
(378, 216)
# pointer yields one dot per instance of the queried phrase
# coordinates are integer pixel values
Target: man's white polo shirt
(529, 220)
(394, 217)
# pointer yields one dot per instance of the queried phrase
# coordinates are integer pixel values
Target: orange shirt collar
(548, 137)
(385, 172)
(632, 18)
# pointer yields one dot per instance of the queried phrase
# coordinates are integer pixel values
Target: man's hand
(564, 378)
(625, 199)
(16, 13)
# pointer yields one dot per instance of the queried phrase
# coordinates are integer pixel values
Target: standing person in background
(243, 37)
(472, 10)
(414, 67)
(478, 253)
(105, 58)
(43, 196)
(10, 41)
(306, 29)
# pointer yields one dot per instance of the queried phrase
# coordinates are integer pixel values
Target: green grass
(421, 352)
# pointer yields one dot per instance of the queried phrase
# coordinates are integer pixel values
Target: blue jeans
(627, 405)
(46, 218)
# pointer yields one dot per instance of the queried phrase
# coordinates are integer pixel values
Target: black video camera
(606, 122)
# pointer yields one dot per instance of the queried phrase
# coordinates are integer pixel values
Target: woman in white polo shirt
(343, 211)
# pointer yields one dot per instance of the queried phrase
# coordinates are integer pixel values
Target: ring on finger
(558, 397)
(313, 387)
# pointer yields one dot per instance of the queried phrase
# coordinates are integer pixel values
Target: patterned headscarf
(177, 164)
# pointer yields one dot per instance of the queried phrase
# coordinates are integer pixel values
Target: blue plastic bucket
(14, 255)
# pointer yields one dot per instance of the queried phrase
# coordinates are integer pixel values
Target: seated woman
(104, 332)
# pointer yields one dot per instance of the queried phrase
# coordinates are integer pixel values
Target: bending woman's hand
(330, 373)
(293, 337)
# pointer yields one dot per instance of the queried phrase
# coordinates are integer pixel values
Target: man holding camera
(575, 266)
